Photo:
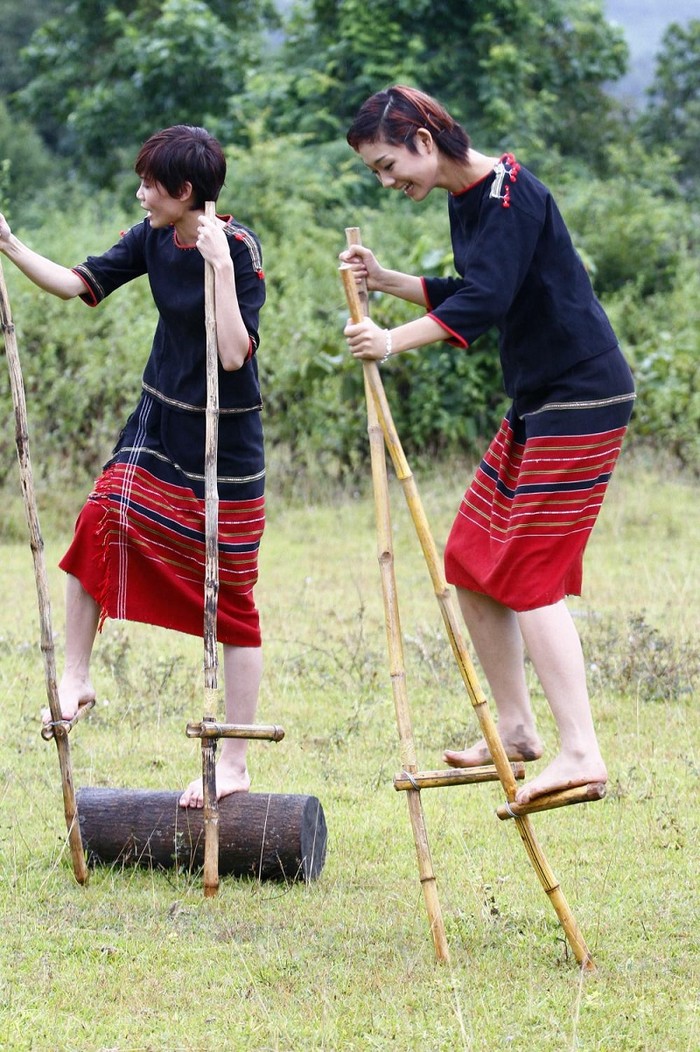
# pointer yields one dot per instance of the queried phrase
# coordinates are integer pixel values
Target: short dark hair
(184, 154)
(396, 114)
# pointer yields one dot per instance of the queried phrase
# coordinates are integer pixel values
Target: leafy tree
(530, 73)
(108, 74)
(672, 117)
(27, 164)
(17, 23)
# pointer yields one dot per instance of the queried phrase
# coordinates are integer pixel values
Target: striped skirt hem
(139, 551)
(523, 524)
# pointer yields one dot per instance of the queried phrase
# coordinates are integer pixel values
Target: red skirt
(139, 542)
(524, 522)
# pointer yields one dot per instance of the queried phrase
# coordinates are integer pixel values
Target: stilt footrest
(453, 776)
(47, 731)
(582, 794)
(207, 729)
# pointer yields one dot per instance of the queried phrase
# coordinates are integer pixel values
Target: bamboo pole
(61, 728)
(466, 668)
(393, 630)
(211, 583)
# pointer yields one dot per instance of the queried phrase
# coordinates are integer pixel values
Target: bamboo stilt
(395, 643)
(211, 584)
(60, 727)
(488, 727)
(486, 722)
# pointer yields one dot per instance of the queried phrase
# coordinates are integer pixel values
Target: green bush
(661, 335)
(630, 226)
(23, 157)
(81, 367)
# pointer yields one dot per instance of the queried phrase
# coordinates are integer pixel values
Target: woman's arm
(52, 277)
(366, 339)
(231, 334)
(378, 279)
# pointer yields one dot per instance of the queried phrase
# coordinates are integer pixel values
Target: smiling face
(398, 168)
(163, 210)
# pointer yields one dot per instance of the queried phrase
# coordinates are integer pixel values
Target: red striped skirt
(139, 542)
(524, 522)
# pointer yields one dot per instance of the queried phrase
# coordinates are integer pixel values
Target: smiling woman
(516, 547)
(138, 552)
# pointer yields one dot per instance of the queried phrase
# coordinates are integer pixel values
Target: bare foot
(72, 694)
(519, 748)
(564, 772)
(228, 780)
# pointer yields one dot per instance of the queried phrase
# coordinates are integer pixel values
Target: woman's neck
(458, 175)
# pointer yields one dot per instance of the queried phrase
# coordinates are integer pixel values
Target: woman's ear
(426, 139)
(185, 191)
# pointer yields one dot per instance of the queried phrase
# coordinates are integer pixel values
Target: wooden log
(581, 794)
(267, 836)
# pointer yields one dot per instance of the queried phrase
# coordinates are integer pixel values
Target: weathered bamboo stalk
(466, 668)
(61, 727)
(211, 583)
(394, 635)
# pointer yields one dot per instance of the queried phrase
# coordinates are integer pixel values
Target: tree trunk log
(267, 836)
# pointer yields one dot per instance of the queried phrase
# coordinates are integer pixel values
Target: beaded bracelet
(387, 352)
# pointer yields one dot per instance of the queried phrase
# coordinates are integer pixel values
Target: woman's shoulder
(247, 239)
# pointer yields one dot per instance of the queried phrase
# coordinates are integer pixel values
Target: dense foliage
(95, 81)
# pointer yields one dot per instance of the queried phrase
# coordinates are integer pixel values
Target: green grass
(139, 960)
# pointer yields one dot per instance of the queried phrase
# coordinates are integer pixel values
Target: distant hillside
(644, 23)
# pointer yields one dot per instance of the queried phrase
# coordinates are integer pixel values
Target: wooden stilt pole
(61, 727)
(486, 722)
(478, 700)
(395, 639)
(211, 585)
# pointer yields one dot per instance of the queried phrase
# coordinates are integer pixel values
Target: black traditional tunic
(523, 524)
(139, 542)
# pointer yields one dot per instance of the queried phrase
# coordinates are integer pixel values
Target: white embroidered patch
(499, 172)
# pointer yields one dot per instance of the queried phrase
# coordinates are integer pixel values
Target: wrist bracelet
(387, 352)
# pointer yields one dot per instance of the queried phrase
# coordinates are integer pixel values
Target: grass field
(139, 960)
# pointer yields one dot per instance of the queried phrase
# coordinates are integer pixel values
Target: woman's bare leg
(82, 616)
(242, 675)
(496, 636)
(553, 643)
